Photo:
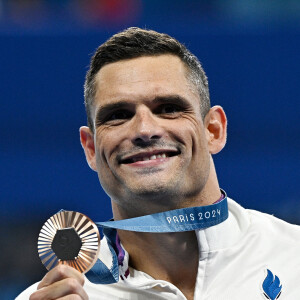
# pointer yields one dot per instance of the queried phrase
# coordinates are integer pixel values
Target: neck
(172, 257)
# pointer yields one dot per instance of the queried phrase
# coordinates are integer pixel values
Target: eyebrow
(174, 99)
(110, 107)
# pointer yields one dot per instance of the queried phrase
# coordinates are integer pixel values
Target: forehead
(143, 78)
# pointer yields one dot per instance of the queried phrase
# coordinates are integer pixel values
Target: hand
(63, 283)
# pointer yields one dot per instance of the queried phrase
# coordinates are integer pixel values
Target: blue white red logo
(271, 286)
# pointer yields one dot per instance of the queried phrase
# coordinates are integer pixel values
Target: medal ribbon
(178, 220)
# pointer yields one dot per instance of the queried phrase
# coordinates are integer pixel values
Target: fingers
(62, 282)
(70, 297)
(61, 289)
(58, 273)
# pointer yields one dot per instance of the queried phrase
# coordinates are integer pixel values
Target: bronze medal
(69, 238)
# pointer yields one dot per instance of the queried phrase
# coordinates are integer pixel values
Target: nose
(145, 128)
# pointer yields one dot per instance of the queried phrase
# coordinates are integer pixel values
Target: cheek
(104, 142)
(108, 143)
(199, 146)
(192, 132)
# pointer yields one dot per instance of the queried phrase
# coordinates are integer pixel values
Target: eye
(169, 109)
(119, 115)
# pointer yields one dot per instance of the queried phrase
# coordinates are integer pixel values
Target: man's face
(150, 141)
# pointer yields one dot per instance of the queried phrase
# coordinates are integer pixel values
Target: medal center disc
(66, 244)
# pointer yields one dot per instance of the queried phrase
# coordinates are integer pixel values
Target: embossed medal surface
(69, 238)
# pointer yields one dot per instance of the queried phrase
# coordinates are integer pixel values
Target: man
(150, 137)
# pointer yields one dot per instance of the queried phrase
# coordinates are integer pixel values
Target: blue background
(250, 51)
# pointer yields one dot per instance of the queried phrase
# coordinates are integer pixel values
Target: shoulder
(267, 243)
(274, 227)
(265, 224)
(267, 240)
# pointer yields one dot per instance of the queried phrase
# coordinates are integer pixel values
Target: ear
(215, 123)
(87, 143)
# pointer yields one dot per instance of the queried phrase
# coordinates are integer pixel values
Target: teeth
(163, 155)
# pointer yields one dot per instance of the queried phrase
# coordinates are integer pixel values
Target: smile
(149, 156)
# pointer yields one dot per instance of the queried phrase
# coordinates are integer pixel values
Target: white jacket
(233, 260)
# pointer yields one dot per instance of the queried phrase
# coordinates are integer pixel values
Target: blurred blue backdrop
(250, 51)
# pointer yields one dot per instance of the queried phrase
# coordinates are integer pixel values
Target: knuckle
(75, 297)
(61, 270)
(73, 285)
(81, 279)
(34, 296)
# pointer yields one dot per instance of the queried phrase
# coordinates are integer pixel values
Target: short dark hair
(136, 42)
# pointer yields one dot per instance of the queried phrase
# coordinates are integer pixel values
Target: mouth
(153, 155)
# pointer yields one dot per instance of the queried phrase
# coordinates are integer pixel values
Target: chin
(154, 191)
